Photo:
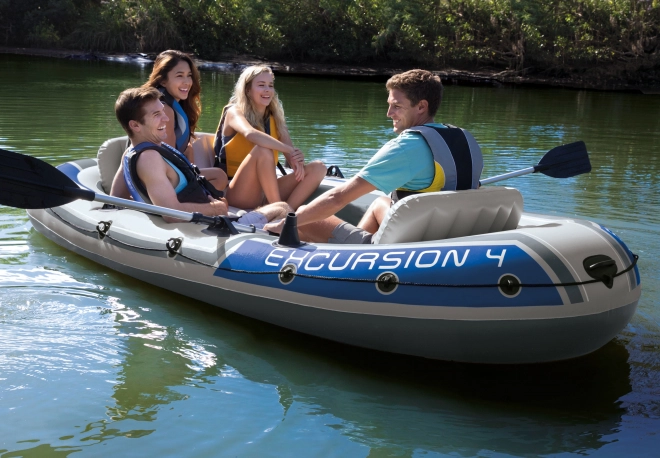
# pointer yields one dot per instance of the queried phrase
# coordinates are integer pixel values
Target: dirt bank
(586, 80)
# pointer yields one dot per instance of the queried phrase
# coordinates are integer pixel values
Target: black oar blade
(565, 161)
(28, 182)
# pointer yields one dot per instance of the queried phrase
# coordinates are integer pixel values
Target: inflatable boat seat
(109, 158)
(111, 151)
(449, 214)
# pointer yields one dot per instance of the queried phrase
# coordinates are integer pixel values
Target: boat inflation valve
(173, 245)
(509, 285)
(387, 282)
(287, 274)
(102, 228)
(601, 267)
(289, 235)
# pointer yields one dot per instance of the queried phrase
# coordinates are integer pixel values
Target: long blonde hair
(241, 100)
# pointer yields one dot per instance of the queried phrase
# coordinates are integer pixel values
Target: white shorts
(255, 218)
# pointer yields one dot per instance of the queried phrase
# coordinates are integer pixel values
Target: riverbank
(591, 80)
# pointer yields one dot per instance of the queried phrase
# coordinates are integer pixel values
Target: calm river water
(94, 363)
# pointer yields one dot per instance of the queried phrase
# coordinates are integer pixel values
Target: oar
(564, 161)
(28, 182)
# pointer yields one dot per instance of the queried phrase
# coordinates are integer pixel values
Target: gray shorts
(253, 217)
(347, 233)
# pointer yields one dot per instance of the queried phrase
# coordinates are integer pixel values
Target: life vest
(197, 188)
(456, 156)
(229, 156)
(181, 123)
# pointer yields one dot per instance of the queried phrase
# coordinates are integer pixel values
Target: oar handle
(141, 206)
(506, 176)
(163, 211)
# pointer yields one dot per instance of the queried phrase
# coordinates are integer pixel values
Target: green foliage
(551, 36)
(38, 23)
(127, 26)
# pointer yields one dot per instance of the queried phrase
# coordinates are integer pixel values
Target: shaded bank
(487, 77)
(599, 44)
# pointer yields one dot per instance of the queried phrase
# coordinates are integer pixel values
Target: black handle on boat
(30, 183)
(563, 161)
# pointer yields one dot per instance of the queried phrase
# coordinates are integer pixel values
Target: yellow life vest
(230, 155)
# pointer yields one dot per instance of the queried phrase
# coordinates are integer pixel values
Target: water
(95, 363)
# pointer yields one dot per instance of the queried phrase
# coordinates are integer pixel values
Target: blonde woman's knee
(316, 168)
(260, 152)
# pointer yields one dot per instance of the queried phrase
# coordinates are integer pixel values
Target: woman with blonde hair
(251, 131)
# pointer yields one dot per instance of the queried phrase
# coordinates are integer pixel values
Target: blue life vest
(457, 159)
(196, 188)
(181, 124)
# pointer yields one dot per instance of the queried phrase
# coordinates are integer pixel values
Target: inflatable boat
(458, 276)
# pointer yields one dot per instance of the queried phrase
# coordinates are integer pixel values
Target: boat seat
(449, 214)
(109, 158)
(111, 151)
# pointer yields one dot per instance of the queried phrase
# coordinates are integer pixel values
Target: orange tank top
(231, 151)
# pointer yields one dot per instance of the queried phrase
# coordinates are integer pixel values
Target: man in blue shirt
(404, 164)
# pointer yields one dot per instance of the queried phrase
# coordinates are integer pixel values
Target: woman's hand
(296, 160)
(298, 170)
(297, 155)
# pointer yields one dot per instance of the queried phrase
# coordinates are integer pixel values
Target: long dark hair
(165, 62)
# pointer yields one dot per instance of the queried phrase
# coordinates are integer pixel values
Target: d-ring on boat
(460, 276)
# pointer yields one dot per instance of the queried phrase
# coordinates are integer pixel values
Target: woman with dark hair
(176, 76)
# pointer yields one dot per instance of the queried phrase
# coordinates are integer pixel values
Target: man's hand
(220, 206)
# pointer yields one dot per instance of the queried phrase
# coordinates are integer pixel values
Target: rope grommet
(173, 245)
(509, 285)
(387, 283)
(102, 228)
(287, 274)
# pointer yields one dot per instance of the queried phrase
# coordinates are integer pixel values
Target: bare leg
(189, 152)
(217, 177)
(320, 231)
(294, 192)
(254, 178)
(277, 210)
(375, 214)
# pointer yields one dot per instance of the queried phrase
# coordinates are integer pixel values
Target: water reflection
(382, 401)
(399, 403)
(175, 356)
